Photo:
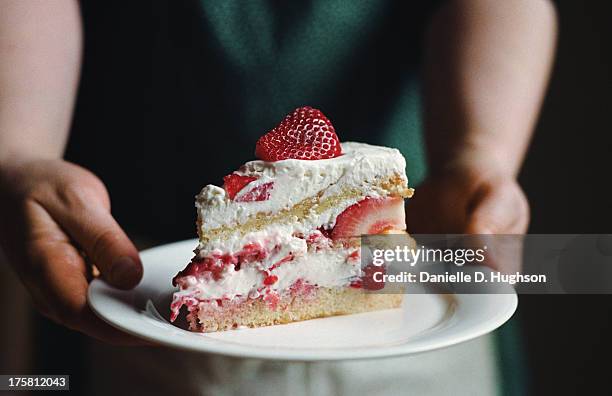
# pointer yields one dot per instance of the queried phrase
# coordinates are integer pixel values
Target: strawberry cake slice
(279, 241)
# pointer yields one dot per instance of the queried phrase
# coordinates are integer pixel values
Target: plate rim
(508, 301)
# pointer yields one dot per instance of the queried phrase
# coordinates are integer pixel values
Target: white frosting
(360, 166)
(326, 268)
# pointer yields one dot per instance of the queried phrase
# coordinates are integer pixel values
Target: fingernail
(125, 273)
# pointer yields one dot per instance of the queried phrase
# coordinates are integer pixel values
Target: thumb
(498, 209)
(88, 221)
(110, 249)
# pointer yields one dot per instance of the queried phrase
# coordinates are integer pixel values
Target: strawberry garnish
(370, 216)
(305, 134)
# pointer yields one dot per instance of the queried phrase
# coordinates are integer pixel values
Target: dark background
(567, 339)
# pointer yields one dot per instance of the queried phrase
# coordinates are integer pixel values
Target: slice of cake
(279, 242)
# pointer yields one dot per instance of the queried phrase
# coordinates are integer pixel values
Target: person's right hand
(55, 222)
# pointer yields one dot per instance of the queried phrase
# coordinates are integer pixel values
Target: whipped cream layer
(360, 167)
(281, 262)
(326, 268)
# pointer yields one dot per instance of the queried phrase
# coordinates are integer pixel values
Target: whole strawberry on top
(305, 134)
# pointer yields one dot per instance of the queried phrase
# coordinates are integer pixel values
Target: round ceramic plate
(424, 322)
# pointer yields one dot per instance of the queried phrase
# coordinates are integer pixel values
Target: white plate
(423, 323)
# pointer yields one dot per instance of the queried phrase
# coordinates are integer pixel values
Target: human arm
(54, 215)
(486, 67)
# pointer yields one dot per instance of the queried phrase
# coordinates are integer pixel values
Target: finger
(84, 213)
(499, 209)
(56, 278)
(438, 207)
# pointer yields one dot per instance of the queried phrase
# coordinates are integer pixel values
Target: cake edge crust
(319, 302)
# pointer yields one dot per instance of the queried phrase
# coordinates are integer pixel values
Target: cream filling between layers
(324, 268)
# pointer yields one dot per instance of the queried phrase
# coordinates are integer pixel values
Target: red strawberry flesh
(370, 274)
(259, 193)
(370, 216)
(305, 134)
(234, 182)
(270, 280)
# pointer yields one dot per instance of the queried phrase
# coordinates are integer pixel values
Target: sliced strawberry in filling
(270, 280)
(234, 183)
(370, 216)
(258, 193)
(371, 278)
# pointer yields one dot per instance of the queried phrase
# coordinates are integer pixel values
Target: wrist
(14, 152)
(481, 161)
(10, 160)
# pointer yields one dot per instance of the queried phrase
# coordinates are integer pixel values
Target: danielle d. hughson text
(458, 277)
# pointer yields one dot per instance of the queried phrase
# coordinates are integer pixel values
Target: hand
(55, 222)
(473, 199)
